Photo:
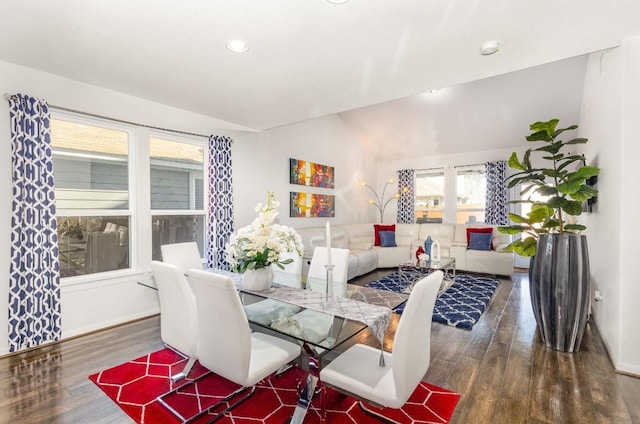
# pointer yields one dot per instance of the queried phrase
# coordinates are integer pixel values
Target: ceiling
(306, 59)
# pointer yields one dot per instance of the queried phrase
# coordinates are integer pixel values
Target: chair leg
(323, 403)
(185, 371)
(229, 397)
(376, 414)
(283, 369)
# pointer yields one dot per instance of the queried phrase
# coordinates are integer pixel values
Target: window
(471, 194)
(429, 189)
(177, 192)
(91, 168)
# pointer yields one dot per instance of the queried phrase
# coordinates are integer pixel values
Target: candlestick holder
(329, 269)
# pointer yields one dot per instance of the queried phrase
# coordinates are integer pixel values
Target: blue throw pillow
(480, 241)
(388, 239)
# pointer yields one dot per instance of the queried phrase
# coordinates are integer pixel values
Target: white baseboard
(106, 324)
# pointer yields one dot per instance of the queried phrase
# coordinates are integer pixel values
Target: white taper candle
(328, 244)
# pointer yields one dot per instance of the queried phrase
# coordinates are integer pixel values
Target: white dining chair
(185, 255)
(226, 344)
(317, 325)
(291, 275)
(178, 315)
(357, 372)
(317, 276)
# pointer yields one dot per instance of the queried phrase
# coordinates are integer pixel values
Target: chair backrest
(185, 255)
(178, 314)
(412, 342)
(317, 276)
(291, 275)
(225, 340)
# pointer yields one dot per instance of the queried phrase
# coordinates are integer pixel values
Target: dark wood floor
(500, 368)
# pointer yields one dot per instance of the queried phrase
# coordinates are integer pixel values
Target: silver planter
(559, 283)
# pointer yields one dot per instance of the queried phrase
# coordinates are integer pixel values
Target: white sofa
(365, 257)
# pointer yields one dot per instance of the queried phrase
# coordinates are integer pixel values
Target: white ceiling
(488, 114)
(306, 58)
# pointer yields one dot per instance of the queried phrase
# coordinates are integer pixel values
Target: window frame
(443, 206)
(130, 212)
(458, 209)
(179, 138)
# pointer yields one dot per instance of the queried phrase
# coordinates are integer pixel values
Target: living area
(468, 121)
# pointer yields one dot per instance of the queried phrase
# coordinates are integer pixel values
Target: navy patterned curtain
(34, 272)
(496, 203)
(220, 201)
(407, 200)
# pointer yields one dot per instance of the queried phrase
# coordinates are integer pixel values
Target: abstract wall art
(312, 174)
(308, 205)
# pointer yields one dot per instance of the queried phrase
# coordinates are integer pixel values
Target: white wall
(630, 205)
(262, 164)
(88, 306)
(609, 120)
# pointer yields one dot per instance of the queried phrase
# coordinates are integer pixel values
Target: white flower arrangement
(423, 258)
(261, 243)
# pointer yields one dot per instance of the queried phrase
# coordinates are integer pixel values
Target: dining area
(248, 333)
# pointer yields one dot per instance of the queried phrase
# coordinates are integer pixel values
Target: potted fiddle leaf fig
(559, 274)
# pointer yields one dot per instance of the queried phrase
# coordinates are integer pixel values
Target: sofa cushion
(484, 230)
(443, 233)
(387, 239)
(406, 234)
(360, 245)
(480, 241)
(379, 227)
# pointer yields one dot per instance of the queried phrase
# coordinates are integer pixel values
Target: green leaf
(572, 207)
(561, 130)
(551, 173)
(575, 227)
(529, 188)
(525, 160)
(517, 218)
(515, 163)
(557, 202)
(513, 202)
(552, 148)
(587, 171)
(512, 229)
(523, 247)
(548, 127)
(547, 190)
(539, 136)
(539, 214)
(585, 193)
(534, 178)
(550, 223)
(569, 160)
(577, 141)
(568, 188)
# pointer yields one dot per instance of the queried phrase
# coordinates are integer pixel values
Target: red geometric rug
(135, 385)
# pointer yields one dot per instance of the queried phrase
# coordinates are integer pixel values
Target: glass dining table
(322, 327)
(321, 323)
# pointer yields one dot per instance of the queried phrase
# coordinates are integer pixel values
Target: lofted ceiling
(311, 58)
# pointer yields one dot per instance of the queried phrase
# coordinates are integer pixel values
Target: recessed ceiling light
(237, 46)
(337, 1)
(490, 47)
(432, 91)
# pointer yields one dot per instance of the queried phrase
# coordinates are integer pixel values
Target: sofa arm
(360, 245)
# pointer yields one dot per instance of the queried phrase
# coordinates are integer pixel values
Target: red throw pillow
(479, 230)
(376, 231)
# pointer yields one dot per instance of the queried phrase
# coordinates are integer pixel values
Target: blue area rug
(459, 306)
